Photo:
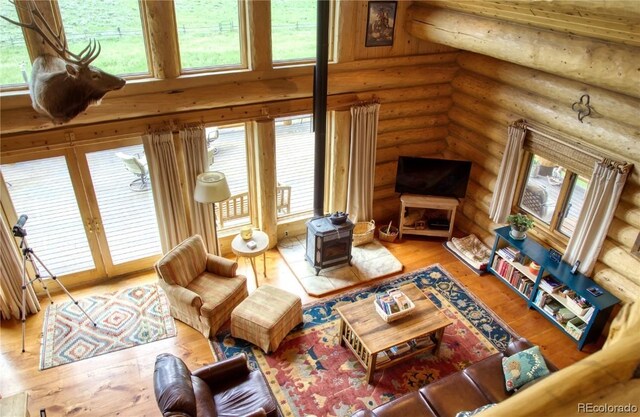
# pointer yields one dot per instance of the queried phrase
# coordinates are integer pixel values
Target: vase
(518, 234)
(246, 232)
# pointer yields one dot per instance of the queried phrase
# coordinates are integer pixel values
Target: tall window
(293, 29)
(227, 151)
(117, 24)
(14, 51)
(209, 33)
(294, 164)
(552, 194)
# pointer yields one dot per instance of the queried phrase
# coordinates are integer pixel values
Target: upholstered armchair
(223, 389)
(202, 288)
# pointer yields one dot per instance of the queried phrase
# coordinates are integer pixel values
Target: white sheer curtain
(167, 194)
(362, 161)
(594, 220)
(505, 187)
(196, 162)
(11, 278)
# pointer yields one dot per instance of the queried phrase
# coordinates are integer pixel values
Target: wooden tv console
(447, 204)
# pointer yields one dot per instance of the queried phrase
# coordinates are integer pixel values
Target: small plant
(520, 222)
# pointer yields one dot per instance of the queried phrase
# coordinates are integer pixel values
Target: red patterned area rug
(126, 318)
(310, 374)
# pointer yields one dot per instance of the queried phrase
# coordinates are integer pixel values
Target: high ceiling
(610, 20)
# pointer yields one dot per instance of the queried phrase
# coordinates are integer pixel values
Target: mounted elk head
(63, 86)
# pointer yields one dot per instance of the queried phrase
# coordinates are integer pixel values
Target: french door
(86, 219)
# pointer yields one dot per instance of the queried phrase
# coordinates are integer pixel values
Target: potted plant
(520, 223)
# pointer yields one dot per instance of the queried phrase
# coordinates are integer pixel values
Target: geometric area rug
(310, 374)
(125, 318)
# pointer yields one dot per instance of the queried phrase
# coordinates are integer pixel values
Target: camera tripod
(29, 255)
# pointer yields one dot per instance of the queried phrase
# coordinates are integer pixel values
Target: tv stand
(447, 205)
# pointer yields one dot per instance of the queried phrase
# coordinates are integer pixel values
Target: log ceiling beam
(615, 21)
(595, 62)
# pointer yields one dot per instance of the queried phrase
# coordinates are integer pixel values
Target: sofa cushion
(412, 404)
(242, 397)
(474, 412)
(488, 376)
(523, 367)
(452, 394)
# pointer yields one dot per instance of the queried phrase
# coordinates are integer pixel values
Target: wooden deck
(42, 189)
(294, 159)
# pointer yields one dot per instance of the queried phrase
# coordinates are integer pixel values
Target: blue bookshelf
(545, 290)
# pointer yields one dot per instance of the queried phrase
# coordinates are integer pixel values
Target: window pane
(14, 50)
(294, 164)
(42, 190)
(118, 27)
(208, 33)
(125, 204)
(228, 154)
(293, 29)
(574, 206)
(542, 188)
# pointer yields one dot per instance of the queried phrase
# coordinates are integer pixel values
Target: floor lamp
(212, 187)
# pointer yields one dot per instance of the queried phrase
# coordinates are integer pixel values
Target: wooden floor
(121, 383)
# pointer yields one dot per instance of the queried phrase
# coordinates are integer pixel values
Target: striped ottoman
(266, 317)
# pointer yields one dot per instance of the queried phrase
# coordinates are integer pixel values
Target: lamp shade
(211, 187)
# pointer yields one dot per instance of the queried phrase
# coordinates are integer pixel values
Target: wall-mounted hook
(582, 107)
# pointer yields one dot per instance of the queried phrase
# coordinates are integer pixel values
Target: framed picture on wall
(381, 22)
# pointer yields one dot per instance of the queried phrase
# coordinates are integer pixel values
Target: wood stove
(328, 244)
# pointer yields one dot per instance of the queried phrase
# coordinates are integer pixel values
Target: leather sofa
(223, 389)
(479, 384)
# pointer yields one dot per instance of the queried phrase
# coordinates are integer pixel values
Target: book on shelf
(382, 357)
(400, 349)
(550, 285)
(422, 342)
(509, 253)
(552, 307)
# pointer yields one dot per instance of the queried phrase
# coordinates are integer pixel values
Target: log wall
(489, 93)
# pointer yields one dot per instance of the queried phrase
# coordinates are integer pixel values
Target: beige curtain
(600, 203)
(362, 161)
(196, 162)
(167, 194)
(505, 187)
(11, 278)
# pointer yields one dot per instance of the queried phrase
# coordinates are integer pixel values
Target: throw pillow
(474, 412)
(523, 367)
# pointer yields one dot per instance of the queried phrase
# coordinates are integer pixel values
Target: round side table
(240, 248)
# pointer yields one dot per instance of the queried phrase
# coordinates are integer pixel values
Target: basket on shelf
(363, 232)
(388, 233)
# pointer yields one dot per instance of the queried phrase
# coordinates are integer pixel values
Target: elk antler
(57, 41)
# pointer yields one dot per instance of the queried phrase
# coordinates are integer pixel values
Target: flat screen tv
(430, 176)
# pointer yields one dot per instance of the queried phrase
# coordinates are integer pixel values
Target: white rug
(370, 261)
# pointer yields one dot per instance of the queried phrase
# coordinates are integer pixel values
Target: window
(209, 33)
(293, 30)
(552, 194)
(14, 50)
(227, 151)
(118, 27)
(294, 165)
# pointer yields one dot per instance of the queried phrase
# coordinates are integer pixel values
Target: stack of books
(509, 253)
(400, 349)
(550, 285)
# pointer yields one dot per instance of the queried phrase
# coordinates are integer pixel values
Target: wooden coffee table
(367, 334)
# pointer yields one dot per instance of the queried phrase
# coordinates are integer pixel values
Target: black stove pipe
(320, 76)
